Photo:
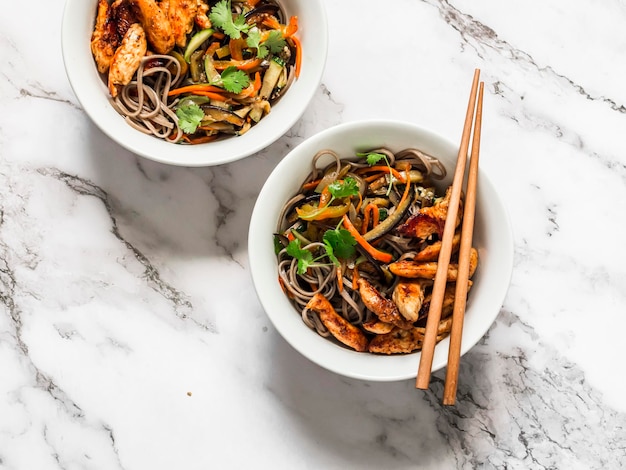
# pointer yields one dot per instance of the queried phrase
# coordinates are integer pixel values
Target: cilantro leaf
(349, 187)
(339, 243)
(222, 16)
(189, 117)
(234, 80)
(373, 158)
(304, 257)
(254, 41)
(275, 42)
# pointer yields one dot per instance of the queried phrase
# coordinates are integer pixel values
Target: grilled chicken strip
(103, 43)
(202, 17)
(406, 341)
(153, 17)
(428, 270)
(181, 15)
(431, 252)
(127, 58)
(408, 296)
(338, 326)
(431, 219)
(385, 309)
(112, 23)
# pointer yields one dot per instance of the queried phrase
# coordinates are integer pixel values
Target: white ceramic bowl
(78, 22)
(492, 238)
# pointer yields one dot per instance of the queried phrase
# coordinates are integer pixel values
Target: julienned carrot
(203, 139)
(382, 168)
(272, 22)
(240, 64)
(373, 252)
(212, 95)
(291, 28)
(339, 278)
(355, 278)
(358, 206)
(375, 216)
(406, 189)
(298, 46)
(253, 88)
(236, 48)
(196, 88)
(311, 185)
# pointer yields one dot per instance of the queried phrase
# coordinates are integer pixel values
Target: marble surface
(130, 333)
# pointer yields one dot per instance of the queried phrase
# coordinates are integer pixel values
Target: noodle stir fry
(358, 245)
(189, 71)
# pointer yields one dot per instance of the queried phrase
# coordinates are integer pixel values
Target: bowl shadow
(375, 424)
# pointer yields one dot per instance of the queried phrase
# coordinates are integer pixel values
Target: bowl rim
(327, 354)
(92, 93)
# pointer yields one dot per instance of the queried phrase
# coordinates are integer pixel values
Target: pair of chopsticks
(434, 312)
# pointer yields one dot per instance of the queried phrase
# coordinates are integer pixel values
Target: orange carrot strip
(240, 64)
(218, 35)
(298, 46)
(406, 189)
(212, 95)
(252, 89)
(199, 139)
(373, 252)
(355, 278)
(324, 197)
(358, 206)
(272, 22)
(235, 46)
(212, 48)
(372, 212)
(252, 3)
(195, 88)
(311, 185)
(381, 168)
(339, 278)
(366, 220)
(291, 28)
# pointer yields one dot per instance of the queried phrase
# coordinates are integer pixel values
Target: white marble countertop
(130, 333)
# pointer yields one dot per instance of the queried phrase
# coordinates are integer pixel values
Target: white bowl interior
(492, 238)
(78, 21)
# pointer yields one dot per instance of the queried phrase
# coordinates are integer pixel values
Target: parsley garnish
(274, 43)
(234, 80)
(347, 187)
(339, 243)
(222, 16)
(373, 158)
(338, 190)
(189, 117)
(304, 257)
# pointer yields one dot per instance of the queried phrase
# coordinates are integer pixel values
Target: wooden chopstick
(434, 312)
(467, 230)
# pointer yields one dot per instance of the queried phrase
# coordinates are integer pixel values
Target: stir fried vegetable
(357, 249)
(240, 56)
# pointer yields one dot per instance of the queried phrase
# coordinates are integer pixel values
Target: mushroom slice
(339, 327)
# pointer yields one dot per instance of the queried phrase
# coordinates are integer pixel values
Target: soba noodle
(264, 55)
(339, 284)
(144, 101)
